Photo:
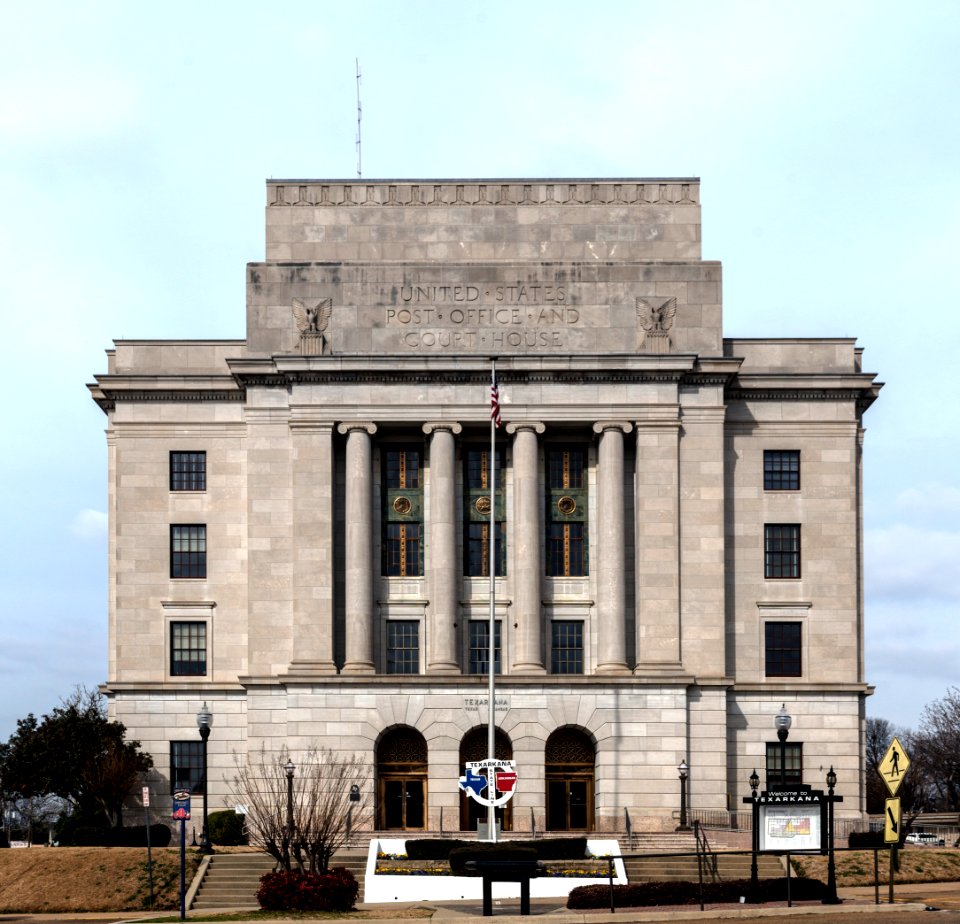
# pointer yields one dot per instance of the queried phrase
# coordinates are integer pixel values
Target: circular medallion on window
(566, 505)
(402, 505)
(482, 506)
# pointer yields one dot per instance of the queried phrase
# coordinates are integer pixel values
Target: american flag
(495, 404)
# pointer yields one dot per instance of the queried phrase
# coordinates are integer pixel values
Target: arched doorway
(569, 762)
(401, 780)
(474, 747)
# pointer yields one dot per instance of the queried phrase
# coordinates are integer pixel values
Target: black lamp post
(782, 722)
(831, 898)
(289, 768)
(205, 723)
(682, 770)
(754, 836)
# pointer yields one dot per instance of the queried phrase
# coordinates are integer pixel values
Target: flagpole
(491, 636)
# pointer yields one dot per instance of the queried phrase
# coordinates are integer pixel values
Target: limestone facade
(665, 584)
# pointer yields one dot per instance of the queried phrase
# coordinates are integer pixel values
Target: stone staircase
(683, 867)
(231, 880)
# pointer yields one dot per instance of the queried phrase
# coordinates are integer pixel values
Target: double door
(569, 804)
(403, 800)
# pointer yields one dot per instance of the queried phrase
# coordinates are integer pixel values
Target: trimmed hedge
(133, 836)
(226, 828)
(335, 890)
(550, 848)
(459, 856)
(645, 894)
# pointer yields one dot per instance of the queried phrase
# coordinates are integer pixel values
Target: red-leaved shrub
(335, 890)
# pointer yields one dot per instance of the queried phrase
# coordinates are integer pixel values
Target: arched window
(569, 768)
(401, 780)
(474, 747)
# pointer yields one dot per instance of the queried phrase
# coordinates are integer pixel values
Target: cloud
(929, 503)
(89, 524)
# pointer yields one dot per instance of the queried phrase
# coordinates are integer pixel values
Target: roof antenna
(359, 113)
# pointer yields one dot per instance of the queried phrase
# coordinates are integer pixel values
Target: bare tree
(322, 813)
(936, 748)
(880, 733)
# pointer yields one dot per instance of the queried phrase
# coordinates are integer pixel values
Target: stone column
(442, 550)
(658, 540)
(525, 533)
(610, 557)
(312, 547)
(358, 572)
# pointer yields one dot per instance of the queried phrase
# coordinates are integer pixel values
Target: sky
(135, 140)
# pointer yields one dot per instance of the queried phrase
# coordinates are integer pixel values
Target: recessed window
(188, 471)
(188, 649)
(566, 513)
(781, 470)
(781, 550)
(782, 649)
(476, 514)
(566, 647)
(480, 647)
(402, 492)
(186, 766)
(188, 551)
(403, 646)
(792, 756)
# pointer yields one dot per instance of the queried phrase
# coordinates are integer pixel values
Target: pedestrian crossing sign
(894, 765)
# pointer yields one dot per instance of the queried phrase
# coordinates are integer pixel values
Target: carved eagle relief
(655, 317)
(312, 318)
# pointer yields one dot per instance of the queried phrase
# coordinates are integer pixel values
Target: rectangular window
(782, 647)
(188, 649)
(188, 471)
(403, 646)
(566, 513)
(480, 647)
(781, 470)
(781, 550)
(186, 766)
(402, 495)
(476, 514)
(188, 551)
(566, 648)
(793, 764)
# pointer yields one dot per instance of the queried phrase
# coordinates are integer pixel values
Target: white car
(921, 838)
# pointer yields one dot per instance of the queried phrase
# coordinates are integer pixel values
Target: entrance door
(569, 804)
(569, 759)
(474, 746)
(403, 801)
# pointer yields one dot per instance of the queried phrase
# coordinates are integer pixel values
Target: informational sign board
(480, 773)
(791, 827)
(181, 806)
(894, 765)
(891, 821)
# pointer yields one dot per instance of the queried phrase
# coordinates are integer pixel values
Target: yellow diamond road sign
(893, 766)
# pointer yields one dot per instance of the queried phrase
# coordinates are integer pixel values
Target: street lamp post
(754, 836)
(831, 897)
(205, 723)
(682, 770)
(782, 722)
(289, 768)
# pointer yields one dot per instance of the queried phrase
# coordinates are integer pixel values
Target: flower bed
(395, 865)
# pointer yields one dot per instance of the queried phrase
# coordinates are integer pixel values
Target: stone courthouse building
(300, 529)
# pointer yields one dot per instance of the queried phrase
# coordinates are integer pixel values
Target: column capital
(516, 426)
(623, 425)
(364, 425)
(449, 425)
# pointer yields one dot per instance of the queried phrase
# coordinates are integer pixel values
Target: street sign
(891, 821)
(181, 806)
(146, 796)
(894, 765)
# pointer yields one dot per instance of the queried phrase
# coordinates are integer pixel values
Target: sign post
(181, 812)
(892, 770)
(146, 822)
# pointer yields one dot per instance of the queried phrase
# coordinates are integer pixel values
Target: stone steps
(683, 868)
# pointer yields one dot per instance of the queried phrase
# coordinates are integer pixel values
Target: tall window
(188, 551)
(403, 646)
(781, 470)
(188, 471)
(480, 647)
(476, 514)
(781, 550)
(566, 514)
(402, 513)
(186, 766)
(782, 647)
(793, 763)
(566, 651)
(188, 649)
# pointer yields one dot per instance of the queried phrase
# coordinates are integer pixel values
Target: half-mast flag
(495, 404)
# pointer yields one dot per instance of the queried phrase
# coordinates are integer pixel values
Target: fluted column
(658, 540)
(442, 549)
(358, 573)
(611, 582)
(525, 530)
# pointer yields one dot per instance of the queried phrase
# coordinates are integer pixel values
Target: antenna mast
(359, 113)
